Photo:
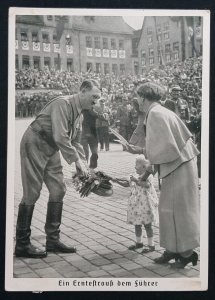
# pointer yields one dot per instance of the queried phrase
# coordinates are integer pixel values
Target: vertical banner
(105, 53)
(114, 53)
(57, 48)
(69, 49)
(89, 51)
(121, 53)
(46, 47)
(98, 52)
(36, 46)
(25, 45)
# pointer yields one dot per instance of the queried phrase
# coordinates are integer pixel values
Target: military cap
(176, 88)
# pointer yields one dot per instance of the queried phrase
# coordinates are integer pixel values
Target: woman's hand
(134, 149)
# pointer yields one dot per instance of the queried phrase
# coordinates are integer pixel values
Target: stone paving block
(110, 267)
(120, 273)
(129, 266)
(28, 275)
(97, 273)
(75, 274)
(113, 255)
(47, 272)
(189, 272)
(52, 258)
(144, 273)
(120, 260)
(22, 270)
(162, 270)
(88, 268)
(100, 261)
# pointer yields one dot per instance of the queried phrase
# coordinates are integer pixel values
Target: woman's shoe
(135, 246)
(183, 261)
(166, 257)
(148, 249)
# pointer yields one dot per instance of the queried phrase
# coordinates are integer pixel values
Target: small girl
(142, 203)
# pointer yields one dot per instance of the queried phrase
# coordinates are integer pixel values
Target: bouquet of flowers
(97, 183)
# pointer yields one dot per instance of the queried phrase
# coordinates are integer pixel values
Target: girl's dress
(142, 203)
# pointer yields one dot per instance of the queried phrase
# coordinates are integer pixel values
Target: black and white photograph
(108, 138)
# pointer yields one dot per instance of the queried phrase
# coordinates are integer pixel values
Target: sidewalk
(96, 226)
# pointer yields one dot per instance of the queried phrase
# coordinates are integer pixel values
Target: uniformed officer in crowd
(54, 130)
(181, 106)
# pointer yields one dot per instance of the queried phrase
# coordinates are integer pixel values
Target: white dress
(142, 203)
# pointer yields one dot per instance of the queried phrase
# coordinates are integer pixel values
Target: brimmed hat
(176, 88)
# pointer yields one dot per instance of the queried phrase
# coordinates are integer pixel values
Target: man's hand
(82, 167)
(134, 149)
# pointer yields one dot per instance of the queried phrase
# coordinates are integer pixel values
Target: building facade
(166, 40)
(76, 43)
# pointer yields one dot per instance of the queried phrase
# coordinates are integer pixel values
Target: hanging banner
(25, 45)
(105, 53)
(46, 47)
(198, 32)
(98, 52)
(114, 53)
(89, 51)
(69, 49)
(16, 44)
(57, 48)
(36, 46)
(121, 53)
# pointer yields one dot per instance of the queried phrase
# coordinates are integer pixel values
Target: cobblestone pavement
(96, 226)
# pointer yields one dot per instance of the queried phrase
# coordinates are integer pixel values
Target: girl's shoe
(135, 246)
(166, 257)
(149, 249)
(183, 261)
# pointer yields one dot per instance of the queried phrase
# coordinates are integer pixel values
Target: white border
(52, 284)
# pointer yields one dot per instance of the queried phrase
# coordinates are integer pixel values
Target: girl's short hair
(142, 158)
(150, 90)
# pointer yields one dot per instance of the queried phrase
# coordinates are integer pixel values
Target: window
(143, 61)
(89, 67)
(47, 61)
(176, 56)
(176, 46)
(168, 57)
(151, 61)
(151, 51)
(35, 37)
(166, 26)
(17, 62)
(166, 35)
(149, 30)
(69, 65)
(56, 63)
(159, 37)
(159, 50)
(88, 42)
(24, 36)
(158, 28)
(25, 62)
(150, 39)
(143, 53)
(36, 62)
(49, 18)
(113, 44)
(105, 43)
(54, 38)
(122, 68)
(97, 42)
(115, 69)
(45, 37)
(98, 68)
(159, 59)
(106, 68)
(121, 44)
(167, 48)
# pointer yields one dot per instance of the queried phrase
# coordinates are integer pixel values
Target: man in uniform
(54, 130)
(181, 106)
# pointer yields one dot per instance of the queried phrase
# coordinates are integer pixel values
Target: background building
(166, 40)
(74, 43)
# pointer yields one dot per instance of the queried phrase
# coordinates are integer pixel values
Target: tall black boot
(53, 222)
(23, 247)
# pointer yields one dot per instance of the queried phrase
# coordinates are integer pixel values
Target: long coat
(169, 145)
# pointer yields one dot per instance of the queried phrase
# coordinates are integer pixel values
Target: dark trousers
(90, 141)
(40, 163)
(103, 137)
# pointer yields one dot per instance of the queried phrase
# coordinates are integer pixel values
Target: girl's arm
(121, 181)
